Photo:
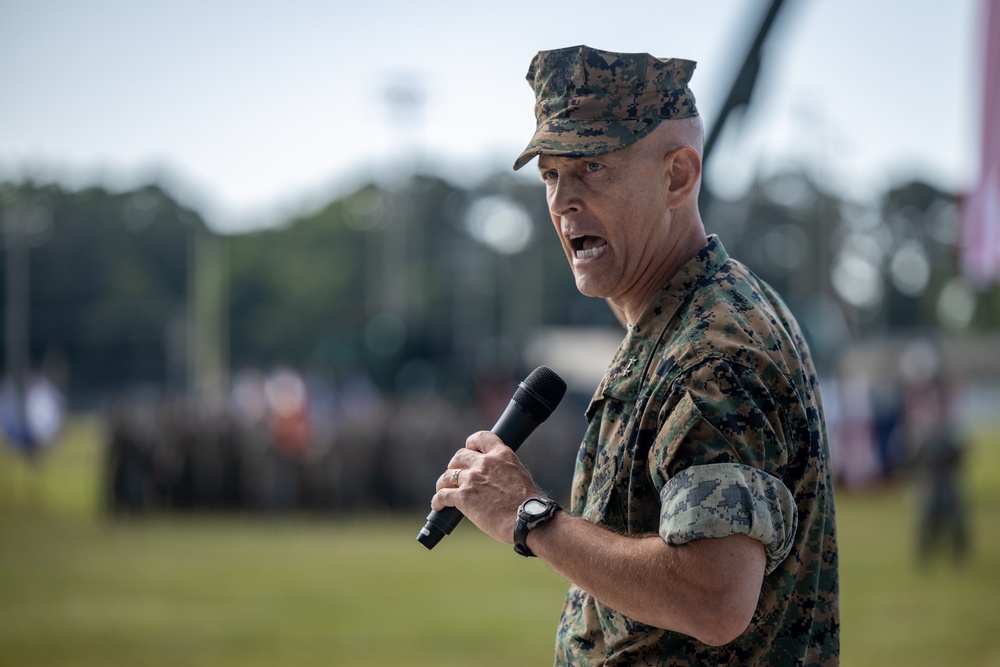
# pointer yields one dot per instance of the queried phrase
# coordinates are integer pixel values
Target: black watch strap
(527, 520)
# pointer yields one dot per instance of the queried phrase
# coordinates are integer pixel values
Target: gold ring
(454, 477)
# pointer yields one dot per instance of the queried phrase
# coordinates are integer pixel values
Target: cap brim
(576, 138)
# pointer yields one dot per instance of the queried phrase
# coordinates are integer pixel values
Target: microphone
(535, 399)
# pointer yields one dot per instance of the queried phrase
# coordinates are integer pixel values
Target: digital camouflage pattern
(719, 499)
(591, 102)
(708, 420)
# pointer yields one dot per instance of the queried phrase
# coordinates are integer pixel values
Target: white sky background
(249, 110)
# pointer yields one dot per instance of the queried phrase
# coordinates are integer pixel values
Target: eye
(549, 175)
(594, 166)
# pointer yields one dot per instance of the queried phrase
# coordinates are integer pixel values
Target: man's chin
(591, 288)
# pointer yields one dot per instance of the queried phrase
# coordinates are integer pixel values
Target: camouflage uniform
(708, 423)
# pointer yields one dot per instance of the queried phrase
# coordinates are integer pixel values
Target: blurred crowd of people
(283, 443)
(884, 427)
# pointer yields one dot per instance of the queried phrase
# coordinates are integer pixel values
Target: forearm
(707, 589)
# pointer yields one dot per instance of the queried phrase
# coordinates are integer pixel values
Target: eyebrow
(542, 168)
(549, 165)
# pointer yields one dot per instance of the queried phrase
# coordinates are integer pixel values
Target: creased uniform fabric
(707, 423)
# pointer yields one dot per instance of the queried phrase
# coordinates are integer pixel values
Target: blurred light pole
(208, 355)
(25, 224)
(396, 247)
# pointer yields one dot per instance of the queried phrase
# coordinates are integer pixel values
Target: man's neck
(675, 257)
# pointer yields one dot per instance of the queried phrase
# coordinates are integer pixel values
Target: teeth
(593, 252)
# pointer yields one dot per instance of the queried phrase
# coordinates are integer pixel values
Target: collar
(630, 364)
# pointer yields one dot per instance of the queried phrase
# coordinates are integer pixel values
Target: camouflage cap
(591, 102)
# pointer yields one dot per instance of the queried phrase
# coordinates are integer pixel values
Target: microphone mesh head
(540, 393)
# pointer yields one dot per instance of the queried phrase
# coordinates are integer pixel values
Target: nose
(564, 196)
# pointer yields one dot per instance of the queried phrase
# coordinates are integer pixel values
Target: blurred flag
(981, 210)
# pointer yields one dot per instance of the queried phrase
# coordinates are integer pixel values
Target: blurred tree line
(395, 283)
(421, 285)
(356, 344)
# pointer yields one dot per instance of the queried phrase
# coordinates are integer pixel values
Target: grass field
(79, 589)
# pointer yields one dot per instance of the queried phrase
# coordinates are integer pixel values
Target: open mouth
(585, 247)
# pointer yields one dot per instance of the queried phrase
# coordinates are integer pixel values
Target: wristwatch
(532, 512)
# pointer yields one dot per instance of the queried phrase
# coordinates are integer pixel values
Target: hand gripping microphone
(535, 399)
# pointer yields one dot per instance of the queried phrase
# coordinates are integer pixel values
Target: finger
(449, 479)
(443, 498)
(483, 441)
(465, 459)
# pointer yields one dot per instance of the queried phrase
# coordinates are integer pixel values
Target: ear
(683, 173)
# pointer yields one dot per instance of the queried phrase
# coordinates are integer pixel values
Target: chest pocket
(621, 494)
(604, 494)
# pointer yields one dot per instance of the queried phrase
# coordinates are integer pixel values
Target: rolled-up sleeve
(722, 499)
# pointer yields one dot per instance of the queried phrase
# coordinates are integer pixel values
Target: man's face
(612, 217)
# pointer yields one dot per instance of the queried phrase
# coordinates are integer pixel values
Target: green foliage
(108, 273)
(292, 286)
(987, 316)
(111, 278)
(308, 293)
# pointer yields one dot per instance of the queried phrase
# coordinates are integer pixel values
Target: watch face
(535, 507)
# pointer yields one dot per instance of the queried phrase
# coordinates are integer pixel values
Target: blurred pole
(397, 256)
(524, 296)
(742, 88)
(17, 309)
(398, 250)
(405, 240)
(208, 371)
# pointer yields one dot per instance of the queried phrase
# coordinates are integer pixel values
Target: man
(702, 528)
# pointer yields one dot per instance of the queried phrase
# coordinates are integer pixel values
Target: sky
(250, 111)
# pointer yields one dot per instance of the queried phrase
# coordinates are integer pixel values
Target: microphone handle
(513, 430)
